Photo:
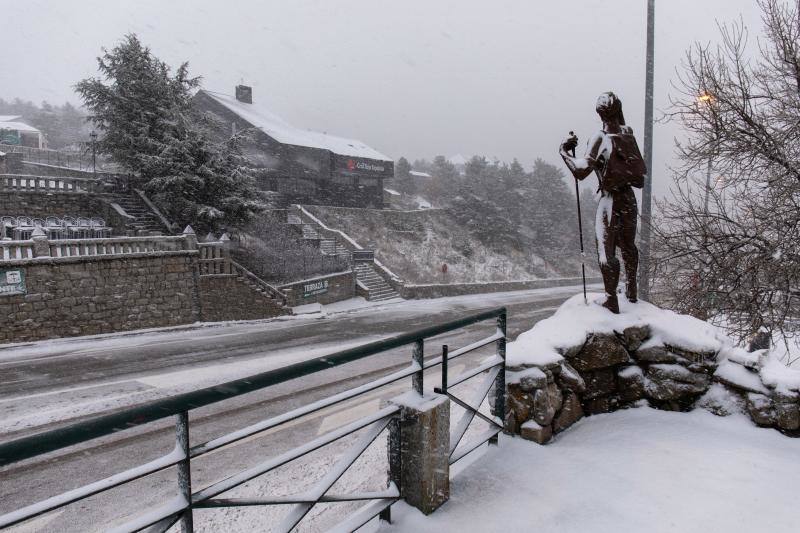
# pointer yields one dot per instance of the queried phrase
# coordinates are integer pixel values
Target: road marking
(344, 416)
(37, 524)
(65, 391)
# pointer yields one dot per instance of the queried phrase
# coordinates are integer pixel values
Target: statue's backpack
(625, 164)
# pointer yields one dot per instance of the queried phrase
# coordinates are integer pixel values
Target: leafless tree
(728, 248)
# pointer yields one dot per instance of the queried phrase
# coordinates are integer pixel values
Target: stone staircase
(333, 247)
(273, 295)
(144, 221)
(377, 288)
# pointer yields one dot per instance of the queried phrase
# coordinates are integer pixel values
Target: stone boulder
(570, 413)
(631, 383)
(543, 408)
(601, 382)
(570, 379)
(787, 412)
(530, 430)
(656, 354)
(669, 382)
(634, 336)
(761, 409)
(600, 351)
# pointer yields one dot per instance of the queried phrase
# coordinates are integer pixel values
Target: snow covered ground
(630, 471)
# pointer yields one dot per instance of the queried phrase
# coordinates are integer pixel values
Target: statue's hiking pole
(580, 232)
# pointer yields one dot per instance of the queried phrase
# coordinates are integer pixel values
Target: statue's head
(609, 107)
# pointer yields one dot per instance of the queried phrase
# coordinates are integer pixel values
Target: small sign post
(12, 281)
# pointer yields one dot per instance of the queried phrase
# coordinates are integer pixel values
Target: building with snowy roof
(15, 132)
(304, 166)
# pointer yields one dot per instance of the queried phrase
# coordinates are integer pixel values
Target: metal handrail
(181, 507)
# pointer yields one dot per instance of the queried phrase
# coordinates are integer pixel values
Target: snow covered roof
(18, 126)
(9, 118)
(457, 160)
(283, 132)
(419, 174)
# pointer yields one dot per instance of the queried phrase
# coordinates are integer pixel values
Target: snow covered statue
(614, 156)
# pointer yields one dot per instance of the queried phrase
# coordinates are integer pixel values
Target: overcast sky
(416, 78)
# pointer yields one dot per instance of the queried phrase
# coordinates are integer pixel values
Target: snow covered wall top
(280, 130)
(546, 342)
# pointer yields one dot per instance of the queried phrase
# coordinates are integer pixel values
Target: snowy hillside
(415, 245)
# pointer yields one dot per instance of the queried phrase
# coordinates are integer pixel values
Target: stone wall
(68, 297)
(109, 285)
(229, 297)
(322, 290)
(613, 371)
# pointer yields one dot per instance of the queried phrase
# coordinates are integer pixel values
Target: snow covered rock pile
(584, 360)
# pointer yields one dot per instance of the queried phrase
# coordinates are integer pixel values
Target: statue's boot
(610, 271)
(611, 303)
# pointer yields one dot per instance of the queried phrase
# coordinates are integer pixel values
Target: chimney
(244, 94)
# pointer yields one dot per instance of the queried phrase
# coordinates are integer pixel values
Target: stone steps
(377, 288)
(144, 219)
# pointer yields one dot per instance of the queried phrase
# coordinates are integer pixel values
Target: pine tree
(148, 125)
(403, 178)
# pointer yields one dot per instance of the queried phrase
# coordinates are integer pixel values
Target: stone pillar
(190, 237)
(419, 450)
(41, 245)
(227, 245)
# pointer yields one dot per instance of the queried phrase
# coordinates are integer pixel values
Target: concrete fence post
(227, 245)
(419, 450)
(41, 244)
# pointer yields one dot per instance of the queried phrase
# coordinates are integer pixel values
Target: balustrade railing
(16, 250)
(26, 183)
(39, 246)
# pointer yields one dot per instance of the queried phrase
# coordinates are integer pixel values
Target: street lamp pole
(708, 184)
(93, 135)
(647, 192)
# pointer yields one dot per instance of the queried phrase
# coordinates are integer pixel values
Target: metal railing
(181, 507)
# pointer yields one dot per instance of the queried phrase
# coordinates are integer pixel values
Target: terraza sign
(315, 287)
(12, 282)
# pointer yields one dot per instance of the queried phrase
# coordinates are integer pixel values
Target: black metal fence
(180, 508)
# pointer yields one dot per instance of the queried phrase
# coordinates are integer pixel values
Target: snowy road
(51, 382)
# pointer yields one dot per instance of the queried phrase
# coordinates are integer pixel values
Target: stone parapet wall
(322, 290)
(229, 297)
(82, 287)
(619, 370)
(68, 297)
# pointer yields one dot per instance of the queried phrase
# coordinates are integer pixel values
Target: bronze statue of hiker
(614, 156)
